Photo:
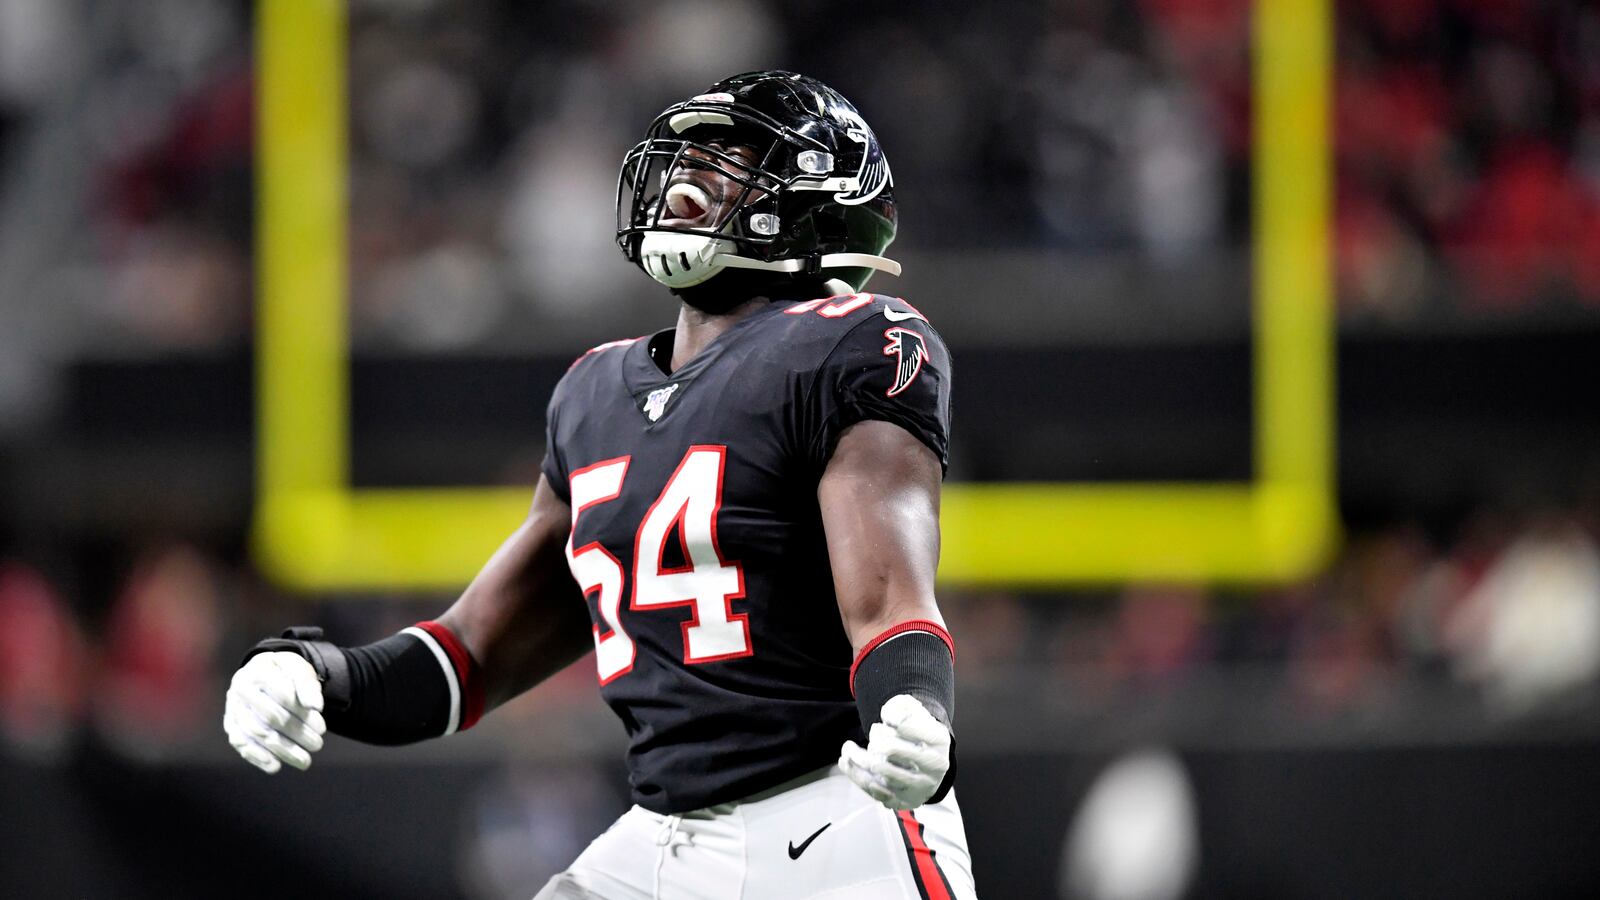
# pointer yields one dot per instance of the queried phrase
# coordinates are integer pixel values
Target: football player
(739, 517)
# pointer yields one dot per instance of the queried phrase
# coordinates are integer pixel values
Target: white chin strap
(685, 260)
(828, 261)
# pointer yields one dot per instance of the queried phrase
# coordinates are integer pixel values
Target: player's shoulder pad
(596, 366)
(843, 311)
(602, 349)
(822, 324)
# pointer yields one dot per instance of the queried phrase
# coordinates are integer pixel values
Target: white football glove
(906, 757)
(273, 714)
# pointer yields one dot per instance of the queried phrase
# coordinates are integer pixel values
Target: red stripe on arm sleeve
(468, 675)
(927, 625)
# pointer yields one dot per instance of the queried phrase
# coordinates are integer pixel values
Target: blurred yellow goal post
(313, 531)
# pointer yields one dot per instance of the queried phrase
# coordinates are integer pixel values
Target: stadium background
(1415, 717)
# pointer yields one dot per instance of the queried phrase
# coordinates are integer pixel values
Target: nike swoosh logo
(896, 315)
(794, 852)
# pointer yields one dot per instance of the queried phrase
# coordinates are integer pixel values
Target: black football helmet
(815, 202)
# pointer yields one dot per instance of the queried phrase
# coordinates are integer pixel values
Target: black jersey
(698, 539)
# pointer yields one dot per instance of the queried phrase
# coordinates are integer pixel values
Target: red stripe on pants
(929, 878)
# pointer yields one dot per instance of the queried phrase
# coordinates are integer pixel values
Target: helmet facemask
(659, 188)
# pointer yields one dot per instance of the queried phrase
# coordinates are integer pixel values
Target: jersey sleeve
(897, 372)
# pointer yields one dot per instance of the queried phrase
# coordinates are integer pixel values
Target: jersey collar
(642, 369)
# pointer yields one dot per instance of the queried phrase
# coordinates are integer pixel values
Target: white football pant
(818, 837)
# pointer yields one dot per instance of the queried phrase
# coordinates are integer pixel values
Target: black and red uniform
(698, 539)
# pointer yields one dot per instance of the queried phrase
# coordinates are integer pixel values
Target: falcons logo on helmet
(911, 350)
(874, 174)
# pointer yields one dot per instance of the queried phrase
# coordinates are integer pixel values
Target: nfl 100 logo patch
(655, 403)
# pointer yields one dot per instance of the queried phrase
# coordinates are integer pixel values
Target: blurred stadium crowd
(486, 139)
(484, 150)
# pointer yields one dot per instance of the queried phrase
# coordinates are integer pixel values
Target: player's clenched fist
(906, 757)
(273, 714)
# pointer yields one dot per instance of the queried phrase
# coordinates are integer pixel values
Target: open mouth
(687, 204)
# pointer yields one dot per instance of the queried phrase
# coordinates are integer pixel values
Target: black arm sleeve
(405, 688)
(915, 658)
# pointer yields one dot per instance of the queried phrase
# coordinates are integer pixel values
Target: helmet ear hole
(830, 227)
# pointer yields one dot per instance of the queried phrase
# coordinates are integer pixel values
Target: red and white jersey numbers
(688, 504)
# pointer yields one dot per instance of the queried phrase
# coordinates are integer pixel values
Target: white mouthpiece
(687, 201)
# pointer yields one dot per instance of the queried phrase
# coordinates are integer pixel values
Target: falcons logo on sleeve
(911, 350)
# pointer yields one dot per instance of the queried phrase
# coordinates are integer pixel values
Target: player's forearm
(519, 621)
(413, 685)
(426, 681)
(522, 618)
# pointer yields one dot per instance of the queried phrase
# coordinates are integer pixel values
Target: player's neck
(698, 328)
